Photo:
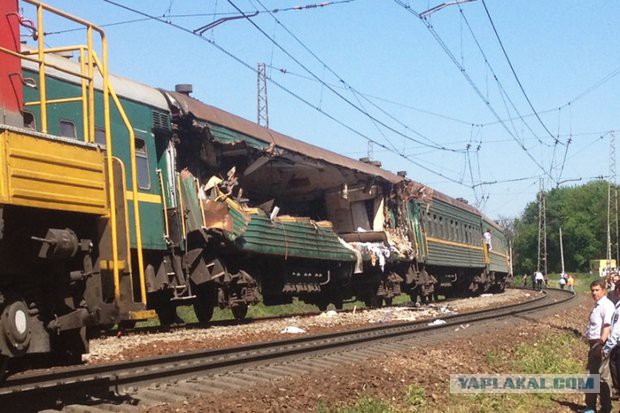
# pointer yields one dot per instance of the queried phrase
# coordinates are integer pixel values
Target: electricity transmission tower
(542, 230)
(612, 205)
(261, 97)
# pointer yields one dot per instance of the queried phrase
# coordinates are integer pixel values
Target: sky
(478, 100)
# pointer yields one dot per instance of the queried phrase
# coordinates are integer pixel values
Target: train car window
(67, 129)
(100, 135)
(142, 163)
(29, 121)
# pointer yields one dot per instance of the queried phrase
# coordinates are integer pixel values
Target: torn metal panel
(216, 216)
(252, 230)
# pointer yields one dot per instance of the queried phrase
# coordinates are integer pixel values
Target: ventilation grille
(160, 120)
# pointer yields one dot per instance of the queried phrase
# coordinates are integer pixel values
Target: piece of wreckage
(405, 236)
(291, 256)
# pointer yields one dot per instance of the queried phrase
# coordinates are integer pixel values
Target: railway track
(156, 329)
(98, 388)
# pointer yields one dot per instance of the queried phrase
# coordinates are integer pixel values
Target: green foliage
(581, 211)
(547, 356)
(415, 396)
(582, 281)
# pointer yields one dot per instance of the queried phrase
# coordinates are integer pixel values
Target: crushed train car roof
(220, 117)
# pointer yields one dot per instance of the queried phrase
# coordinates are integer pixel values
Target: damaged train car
(301, 221)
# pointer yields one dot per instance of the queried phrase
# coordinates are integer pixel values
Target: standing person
(562, 283)
(610, 369)
(570, 283)
(540, 278)
(524, 280)
(614, 282)
(597, 332)
(487, 239)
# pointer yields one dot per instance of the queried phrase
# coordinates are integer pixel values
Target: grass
(582, 281)
(555, 353)
(260, 310)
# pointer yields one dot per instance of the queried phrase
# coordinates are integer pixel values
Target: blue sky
(397, 84)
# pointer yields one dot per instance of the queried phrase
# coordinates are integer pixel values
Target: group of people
(603, 335)
(539, 281)
(567, 281)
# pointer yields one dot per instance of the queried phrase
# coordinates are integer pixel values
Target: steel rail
(118, 377)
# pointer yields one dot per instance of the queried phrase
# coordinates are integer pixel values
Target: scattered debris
(145, 345)
(329, 313)
(292, 330)
(437, 322)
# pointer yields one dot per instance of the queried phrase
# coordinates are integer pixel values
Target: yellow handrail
(88, 110)
(126, 215)
(134, 175)
(164, 205)
(89, 63)
(181, 207)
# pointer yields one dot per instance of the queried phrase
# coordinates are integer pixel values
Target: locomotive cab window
(29, 120)
(100, 136)
(142, 164)
(67, 129)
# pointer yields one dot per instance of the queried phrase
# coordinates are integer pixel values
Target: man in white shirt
(596, 334)
(611, 349)
(540, 279)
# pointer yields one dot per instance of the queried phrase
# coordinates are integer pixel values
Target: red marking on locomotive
(11, 94)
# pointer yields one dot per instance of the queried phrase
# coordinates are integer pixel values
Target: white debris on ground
(119, 348)
(437, 322)
(292, 330)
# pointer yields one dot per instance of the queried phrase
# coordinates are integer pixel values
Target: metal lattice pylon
(261, 99)
(542, 230)
(612, 177)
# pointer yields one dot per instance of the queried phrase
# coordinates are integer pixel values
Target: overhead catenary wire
(192, 15)
(346, 86)
(514, 72)
(340, 95)
(472, 83)
(502, 90)
(286, 90)
(368, 96)
(581, 95)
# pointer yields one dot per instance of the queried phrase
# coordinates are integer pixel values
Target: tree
(581, 211)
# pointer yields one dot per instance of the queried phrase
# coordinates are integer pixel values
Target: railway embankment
(136, 345)
(417, 379)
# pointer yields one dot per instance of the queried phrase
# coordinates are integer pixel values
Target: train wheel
(239, 311)
(165, 309)
(205, 302)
